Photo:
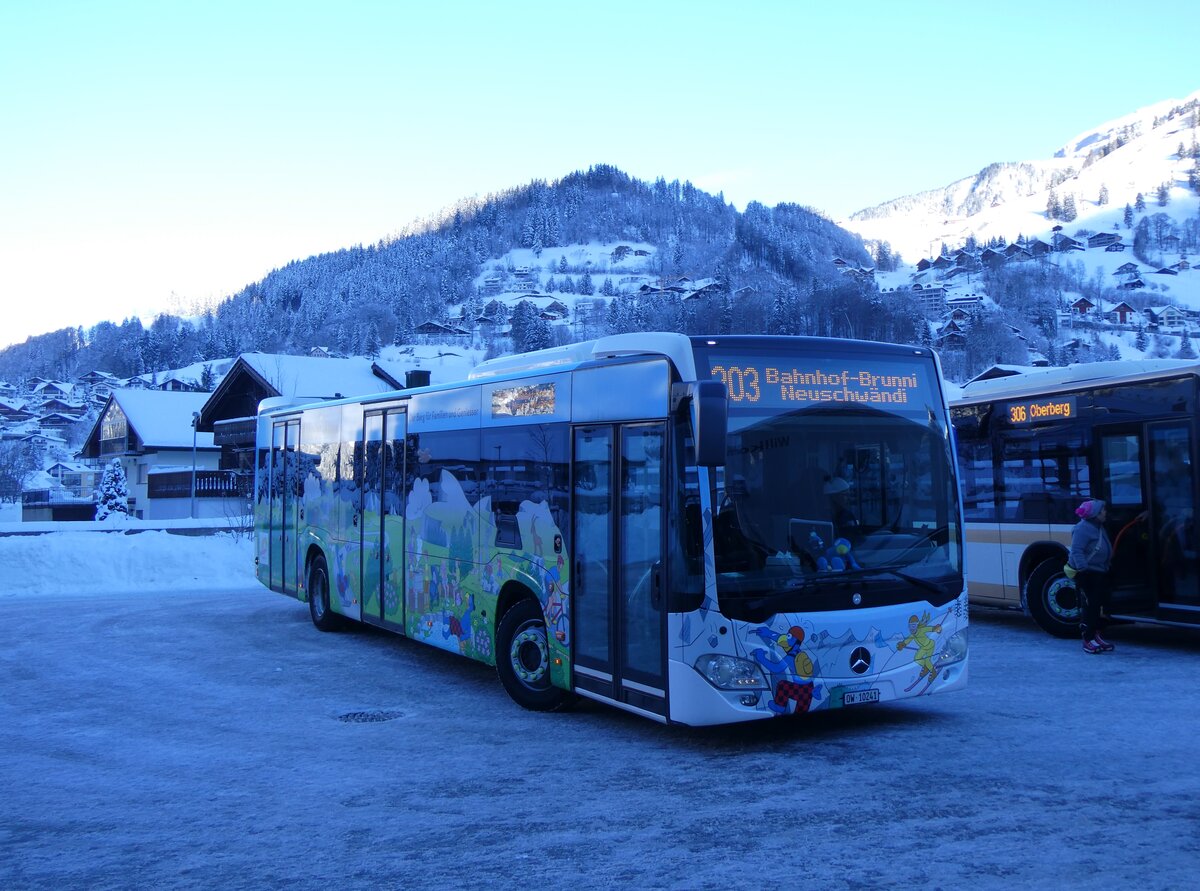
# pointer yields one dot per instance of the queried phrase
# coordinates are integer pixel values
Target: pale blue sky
(159, 153)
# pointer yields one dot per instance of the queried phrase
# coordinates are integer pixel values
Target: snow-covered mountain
(1098, 171)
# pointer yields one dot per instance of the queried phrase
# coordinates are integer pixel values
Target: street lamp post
(195, 418)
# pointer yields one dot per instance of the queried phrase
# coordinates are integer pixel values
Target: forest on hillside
(773, 271)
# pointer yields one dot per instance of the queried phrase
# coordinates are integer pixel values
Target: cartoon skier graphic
(792, 672)
(918, 635)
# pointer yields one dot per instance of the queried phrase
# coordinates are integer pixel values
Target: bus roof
(676, 347)
(1036, 381)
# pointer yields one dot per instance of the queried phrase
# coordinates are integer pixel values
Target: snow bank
(82, 563)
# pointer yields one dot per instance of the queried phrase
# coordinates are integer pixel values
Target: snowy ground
(173, 724)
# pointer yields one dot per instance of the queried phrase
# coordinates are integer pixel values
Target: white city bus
(646, 520)
(1032, 446)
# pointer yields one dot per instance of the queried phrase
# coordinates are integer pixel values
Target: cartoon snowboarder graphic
(792, 672)
(919, 630)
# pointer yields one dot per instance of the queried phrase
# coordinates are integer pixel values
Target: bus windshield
(850, 481)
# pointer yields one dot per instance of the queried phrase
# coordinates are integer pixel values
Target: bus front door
(1172, 520)
(285, 436)
(618, 599)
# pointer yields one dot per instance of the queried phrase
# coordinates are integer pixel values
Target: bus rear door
(1120, 480)
(1172, 520)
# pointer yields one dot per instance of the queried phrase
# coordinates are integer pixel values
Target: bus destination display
(1033, 411)
(759, 382)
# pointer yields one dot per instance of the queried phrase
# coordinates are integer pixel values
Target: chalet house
(1103, 239)
(992, 257)
(1166, 270)
(48, 389)
(320, 352)
(1164, 316)
(923, 264)
(958, 314)
(1038, 248)
(942, 262)
(63, 491)
(437, 329)
(965, 301)
(1183, 265)
(1066, 243)
(1115, 248)
(93, 377)
(1133, 283)
(14, 410)
(56, 420)
(1017, 252)
(1170, 243)
(492, 284)
(1126, 269)
(179, 385)
(152, 430)
(950, 338)
(1123, 314)
(1082, 307)
(68, 408)
(229, 413)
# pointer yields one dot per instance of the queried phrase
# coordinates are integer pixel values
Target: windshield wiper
(795, 588)
(867, 572)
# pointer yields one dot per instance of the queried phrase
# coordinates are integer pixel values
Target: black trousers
(1095, 590)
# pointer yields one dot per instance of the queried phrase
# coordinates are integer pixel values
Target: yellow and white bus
(645, 519)
(1033, 445)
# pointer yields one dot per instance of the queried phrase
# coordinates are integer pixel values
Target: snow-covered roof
(320, 378)
(163, 418)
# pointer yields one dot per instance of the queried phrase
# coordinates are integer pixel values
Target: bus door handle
(656, 592)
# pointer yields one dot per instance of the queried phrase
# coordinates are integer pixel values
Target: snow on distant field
(96, 562)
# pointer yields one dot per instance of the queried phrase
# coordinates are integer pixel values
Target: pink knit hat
(1089, 509)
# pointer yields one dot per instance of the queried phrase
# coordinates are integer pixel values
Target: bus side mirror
(709, 405)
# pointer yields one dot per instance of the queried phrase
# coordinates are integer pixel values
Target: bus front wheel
(1052, 599)
(318, 598)
(523, 658)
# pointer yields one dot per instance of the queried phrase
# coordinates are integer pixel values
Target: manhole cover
(373, 716)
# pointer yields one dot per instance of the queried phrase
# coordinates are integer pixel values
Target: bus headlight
(954, 651)
(730, 672)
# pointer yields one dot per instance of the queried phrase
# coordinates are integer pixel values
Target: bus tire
(1052, 599)
(324, 618)
(523, 658)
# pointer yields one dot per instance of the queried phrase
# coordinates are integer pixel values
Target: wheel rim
(316, 593)
(1062, 600)
(529, 655)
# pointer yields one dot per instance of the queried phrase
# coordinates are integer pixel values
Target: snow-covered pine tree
(114, 492)
(1128, 216)
(1103, 195)
(1139, 203)
(1186, 350)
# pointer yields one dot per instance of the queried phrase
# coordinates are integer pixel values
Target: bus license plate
(860, 696)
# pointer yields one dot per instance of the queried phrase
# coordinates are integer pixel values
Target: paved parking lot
(186, 739)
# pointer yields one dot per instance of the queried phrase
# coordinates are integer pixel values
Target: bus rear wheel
(1052, 599)
(318, 598)
(523, 658)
